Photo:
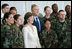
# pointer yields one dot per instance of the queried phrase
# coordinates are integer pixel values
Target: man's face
(62, 15)
(6, 9)
(55, 8)
(14, 12)
(36, 10)
(48, 11)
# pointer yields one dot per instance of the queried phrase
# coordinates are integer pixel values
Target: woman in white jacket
(31, 39)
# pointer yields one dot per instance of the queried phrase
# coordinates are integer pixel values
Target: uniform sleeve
(7, 37)
(25, 35)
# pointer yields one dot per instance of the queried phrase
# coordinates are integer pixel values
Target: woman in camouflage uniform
(48, 36)
(6, 32)
(18, 41)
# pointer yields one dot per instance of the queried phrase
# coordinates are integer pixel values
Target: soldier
(68, 18)
(61, 30)
(55, 11)
(18, 41)
(54, 15)
(68, 11)
(47, 11)
(6, 32)
(48, 36)
(68, 31)
(13, 10)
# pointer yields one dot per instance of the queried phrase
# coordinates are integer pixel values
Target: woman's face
(30, 19)
(10, 19)
(47, 24)
(19, 20)
(48, 11)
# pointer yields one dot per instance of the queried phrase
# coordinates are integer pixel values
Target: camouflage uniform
(43, 19)
(67, 39)
(68, 19)
(18, 40)
(6, 36)
(11, 37)
(53, 21)
(63, 35)
(48, 39)
(54, 15)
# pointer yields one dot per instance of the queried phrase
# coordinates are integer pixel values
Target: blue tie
(38, 25)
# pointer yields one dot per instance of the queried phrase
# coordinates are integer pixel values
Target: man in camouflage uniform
(61, 30)
(55, 11)
(18, 40)
(54, 15)
(48, 36)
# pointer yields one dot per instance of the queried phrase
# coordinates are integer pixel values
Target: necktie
(38, 25)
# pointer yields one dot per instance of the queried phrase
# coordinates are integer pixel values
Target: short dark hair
(46, 20)
(6, 16)
(13, 8)
(46, 8)
(53, 5)
(60, 11)
(27, 15)
(16, 16)
(33, 6)
(4, 5)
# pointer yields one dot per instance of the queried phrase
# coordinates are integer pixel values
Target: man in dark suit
(37, 17)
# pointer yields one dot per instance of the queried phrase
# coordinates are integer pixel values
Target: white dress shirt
(31, 39)
(2, 15)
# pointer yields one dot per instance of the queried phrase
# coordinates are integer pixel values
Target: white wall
(25, 6)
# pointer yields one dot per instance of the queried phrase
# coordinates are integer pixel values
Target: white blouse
(31, 39)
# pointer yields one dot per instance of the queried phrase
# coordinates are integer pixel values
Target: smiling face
(62, 15)
(30, 19)
(35, 10)
(47, 25)
(10, 19)
(48, 11)
(14, 12)
(55, 8)
(67, 8)
(19, 20)
(6, 9)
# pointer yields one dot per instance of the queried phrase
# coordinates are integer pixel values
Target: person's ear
(2, 9)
